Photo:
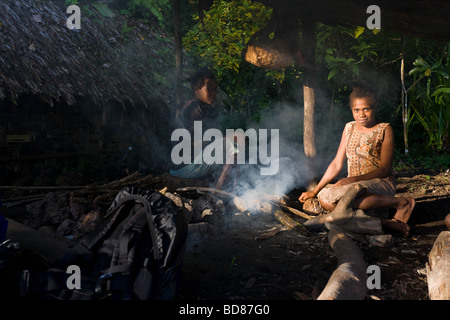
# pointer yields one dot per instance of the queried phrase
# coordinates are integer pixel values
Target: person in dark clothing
(201, 110)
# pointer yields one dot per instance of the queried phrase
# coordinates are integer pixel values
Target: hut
(69, 94)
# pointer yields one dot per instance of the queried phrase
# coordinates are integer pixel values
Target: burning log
(242, 204)
(438, 268)
(348, 281)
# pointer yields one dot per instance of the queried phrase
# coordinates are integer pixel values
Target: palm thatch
(108, 59)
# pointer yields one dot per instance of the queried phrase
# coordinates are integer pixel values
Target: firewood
(348, 281)
(293, 210)
(214, 190)
(438, 268)
(147, 181)
(122, 181)
(290, 223)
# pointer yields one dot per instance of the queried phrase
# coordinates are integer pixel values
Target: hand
(344, 181)
(306, 195)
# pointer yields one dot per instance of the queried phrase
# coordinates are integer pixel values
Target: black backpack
(135, 253)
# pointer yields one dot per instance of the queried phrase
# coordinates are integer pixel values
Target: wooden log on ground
(293, 210)
(290, 223)
(348, 281)
(348, 218)
(438, 268)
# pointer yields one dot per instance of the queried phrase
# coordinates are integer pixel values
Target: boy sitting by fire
(201, 108)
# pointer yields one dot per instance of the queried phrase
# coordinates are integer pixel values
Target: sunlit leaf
(358, 31)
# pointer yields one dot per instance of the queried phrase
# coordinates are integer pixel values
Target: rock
(35, 214)
(65, 228)
(176, 198)
(78, 207)
(55, 213)
(87, 223)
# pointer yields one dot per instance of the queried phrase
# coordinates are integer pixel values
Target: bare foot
(404, 211)
(397, 226)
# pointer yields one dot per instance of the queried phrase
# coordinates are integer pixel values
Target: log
(293, 210)
(348, 281)
(438, 268)
(348, 218)
(290, 223)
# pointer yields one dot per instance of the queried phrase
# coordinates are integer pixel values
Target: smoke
(291, 164)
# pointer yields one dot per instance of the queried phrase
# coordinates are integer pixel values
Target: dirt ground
(225, 258)
(229, 262)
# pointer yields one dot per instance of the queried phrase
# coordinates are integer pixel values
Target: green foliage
(159, 9)
(422, 162)
(220, 38)
(431, 109)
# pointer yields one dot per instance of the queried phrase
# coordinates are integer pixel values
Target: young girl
(368, 147)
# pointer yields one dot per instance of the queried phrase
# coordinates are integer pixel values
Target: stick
(214, 190)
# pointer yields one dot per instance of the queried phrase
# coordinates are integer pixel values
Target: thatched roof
(109, 58)
(428, 19)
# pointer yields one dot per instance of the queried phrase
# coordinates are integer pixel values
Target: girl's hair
(362, 92)
(198, 79)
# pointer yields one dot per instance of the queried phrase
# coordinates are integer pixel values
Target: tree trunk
(438, 268)
(178, 51)
(404, 105)
(308, 51)
(348, 281)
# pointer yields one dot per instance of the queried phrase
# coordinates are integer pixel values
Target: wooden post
(308, 51)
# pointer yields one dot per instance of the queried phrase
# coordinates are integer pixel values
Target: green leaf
(332, 73)
(376, 31)
(441, 90)
(354, 68)
(329, 58)
(358, 31)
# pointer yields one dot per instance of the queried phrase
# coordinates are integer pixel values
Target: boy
(201, 108)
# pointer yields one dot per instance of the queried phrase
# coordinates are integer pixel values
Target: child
(368, 147)
(201, 108)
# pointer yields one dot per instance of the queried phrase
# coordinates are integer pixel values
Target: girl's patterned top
(363, 148)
